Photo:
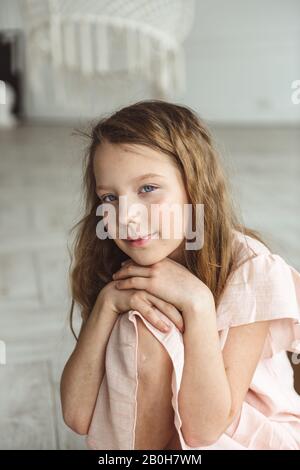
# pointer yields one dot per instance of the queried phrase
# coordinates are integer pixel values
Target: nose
(129, 217)
(128, 211)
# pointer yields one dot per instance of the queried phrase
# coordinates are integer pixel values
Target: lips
(141, 238)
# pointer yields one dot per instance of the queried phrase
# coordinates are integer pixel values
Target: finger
(154, 318)
(129, 270)
(150, 314)
(132, 283)
(169, 310)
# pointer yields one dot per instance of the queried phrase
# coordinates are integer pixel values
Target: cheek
(170, 214)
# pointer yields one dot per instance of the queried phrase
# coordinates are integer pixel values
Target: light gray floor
(39, 201)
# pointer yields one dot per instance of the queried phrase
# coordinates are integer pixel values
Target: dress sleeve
(265, 287)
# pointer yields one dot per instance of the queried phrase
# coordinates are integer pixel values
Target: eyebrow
(137, 178)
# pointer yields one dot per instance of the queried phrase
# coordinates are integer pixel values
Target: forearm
(85, 368)
(204, 396)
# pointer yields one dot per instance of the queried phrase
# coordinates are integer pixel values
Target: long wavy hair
(179, 132)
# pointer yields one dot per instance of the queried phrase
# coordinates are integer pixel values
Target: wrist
(104, 308)
(199, 305)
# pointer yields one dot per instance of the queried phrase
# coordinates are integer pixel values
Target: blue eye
(103, 198)
(149, 186)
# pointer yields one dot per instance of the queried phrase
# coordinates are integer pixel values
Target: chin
(146, 259)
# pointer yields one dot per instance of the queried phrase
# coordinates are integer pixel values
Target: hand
(167, 280)
(120, 301)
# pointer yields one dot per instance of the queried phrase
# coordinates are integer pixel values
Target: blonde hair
(179, 132)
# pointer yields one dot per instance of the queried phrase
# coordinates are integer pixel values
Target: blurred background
(64, 64)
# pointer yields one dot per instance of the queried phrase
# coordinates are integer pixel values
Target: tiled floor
(39, 199)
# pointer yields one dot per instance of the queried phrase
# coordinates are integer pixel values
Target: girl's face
(149, 201)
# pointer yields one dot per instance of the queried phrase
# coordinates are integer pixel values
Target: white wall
(242, 57)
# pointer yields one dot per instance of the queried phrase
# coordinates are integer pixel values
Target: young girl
(179, 348)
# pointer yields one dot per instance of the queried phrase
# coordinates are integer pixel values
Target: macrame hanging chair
(102, 39)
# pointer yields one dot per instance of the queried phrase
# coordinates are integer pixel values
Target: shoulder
(245, 247)
(256, 267)
(262, 287)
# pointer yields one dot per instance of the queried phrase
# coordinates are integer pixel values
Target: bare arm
(85, 368)
(214, 382)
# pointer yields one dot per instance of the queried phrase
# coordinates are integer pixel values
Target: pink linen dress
(262, 287)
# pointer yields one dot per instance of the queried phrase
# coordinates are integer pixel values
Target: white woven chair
(97, 39)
